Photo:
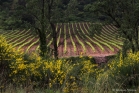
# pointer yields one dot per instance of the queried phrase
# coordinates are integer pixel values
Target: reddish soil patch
(33, 47)
(77, 44)
(98, 53)
(100, 60)
(70, 49)
(30, 42)
(18, 39)
(60, 47)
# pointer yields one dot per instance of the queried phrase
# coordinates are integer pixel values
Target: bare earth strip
(70, 51)
(70, 48)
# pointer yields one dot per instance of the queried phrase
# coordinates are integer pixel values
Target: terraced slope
(73, 40)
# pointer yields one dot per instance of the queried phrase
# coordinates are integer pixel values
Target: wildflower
(50, 85)
(21, 66)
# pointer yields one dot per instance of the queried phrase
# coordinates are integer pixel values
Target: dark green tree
(124, 14)
(7, 19)
(41, 16)
(33, 15)
(72, 10)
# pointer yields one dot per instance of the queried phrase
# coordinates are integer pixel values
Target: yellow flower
(21, 66)
(50, 85)
(15, 71)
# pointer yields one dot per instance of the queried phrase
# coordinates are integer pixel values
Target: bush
(64, 74)
(7, 56)
(60, 74)
(127, 69)
(121, 73)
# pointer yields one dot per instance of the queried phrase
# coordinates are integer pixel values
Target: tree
(124, 15)
(41, 16)
(7, 20)
(72, 10)
(33, 14)
(52, 19)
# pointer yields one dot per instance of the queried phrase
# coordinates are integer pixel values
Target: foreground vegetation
(21, 73)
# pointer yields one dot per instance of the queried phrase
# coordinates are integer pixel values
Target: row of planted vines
(73, 40)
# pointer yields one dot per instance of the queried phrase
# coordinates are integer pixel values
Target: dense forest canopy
(10, 9)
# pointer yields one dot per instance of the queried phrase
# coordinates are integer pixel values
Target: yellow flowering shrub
(83, 72)
(62, 73)
(35, 69)
(126, 70)
(6, 50)
(8, 55)
(120, 73)
(68, 75)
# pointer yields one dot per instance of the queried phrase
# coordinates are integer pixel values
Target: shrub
(126, 69)
(7, 56)
(64, 75)
(56, 74)
(7, 53)
(120, 73)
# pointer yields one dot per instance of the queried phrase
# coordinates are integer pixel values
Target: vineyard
(73, 40)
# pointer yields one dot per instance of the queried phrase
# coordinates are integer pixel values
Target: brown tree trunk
(42, 34)
(54, 33)
(132, 45)
(137, 39)
(54, 40)
(43, 47)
